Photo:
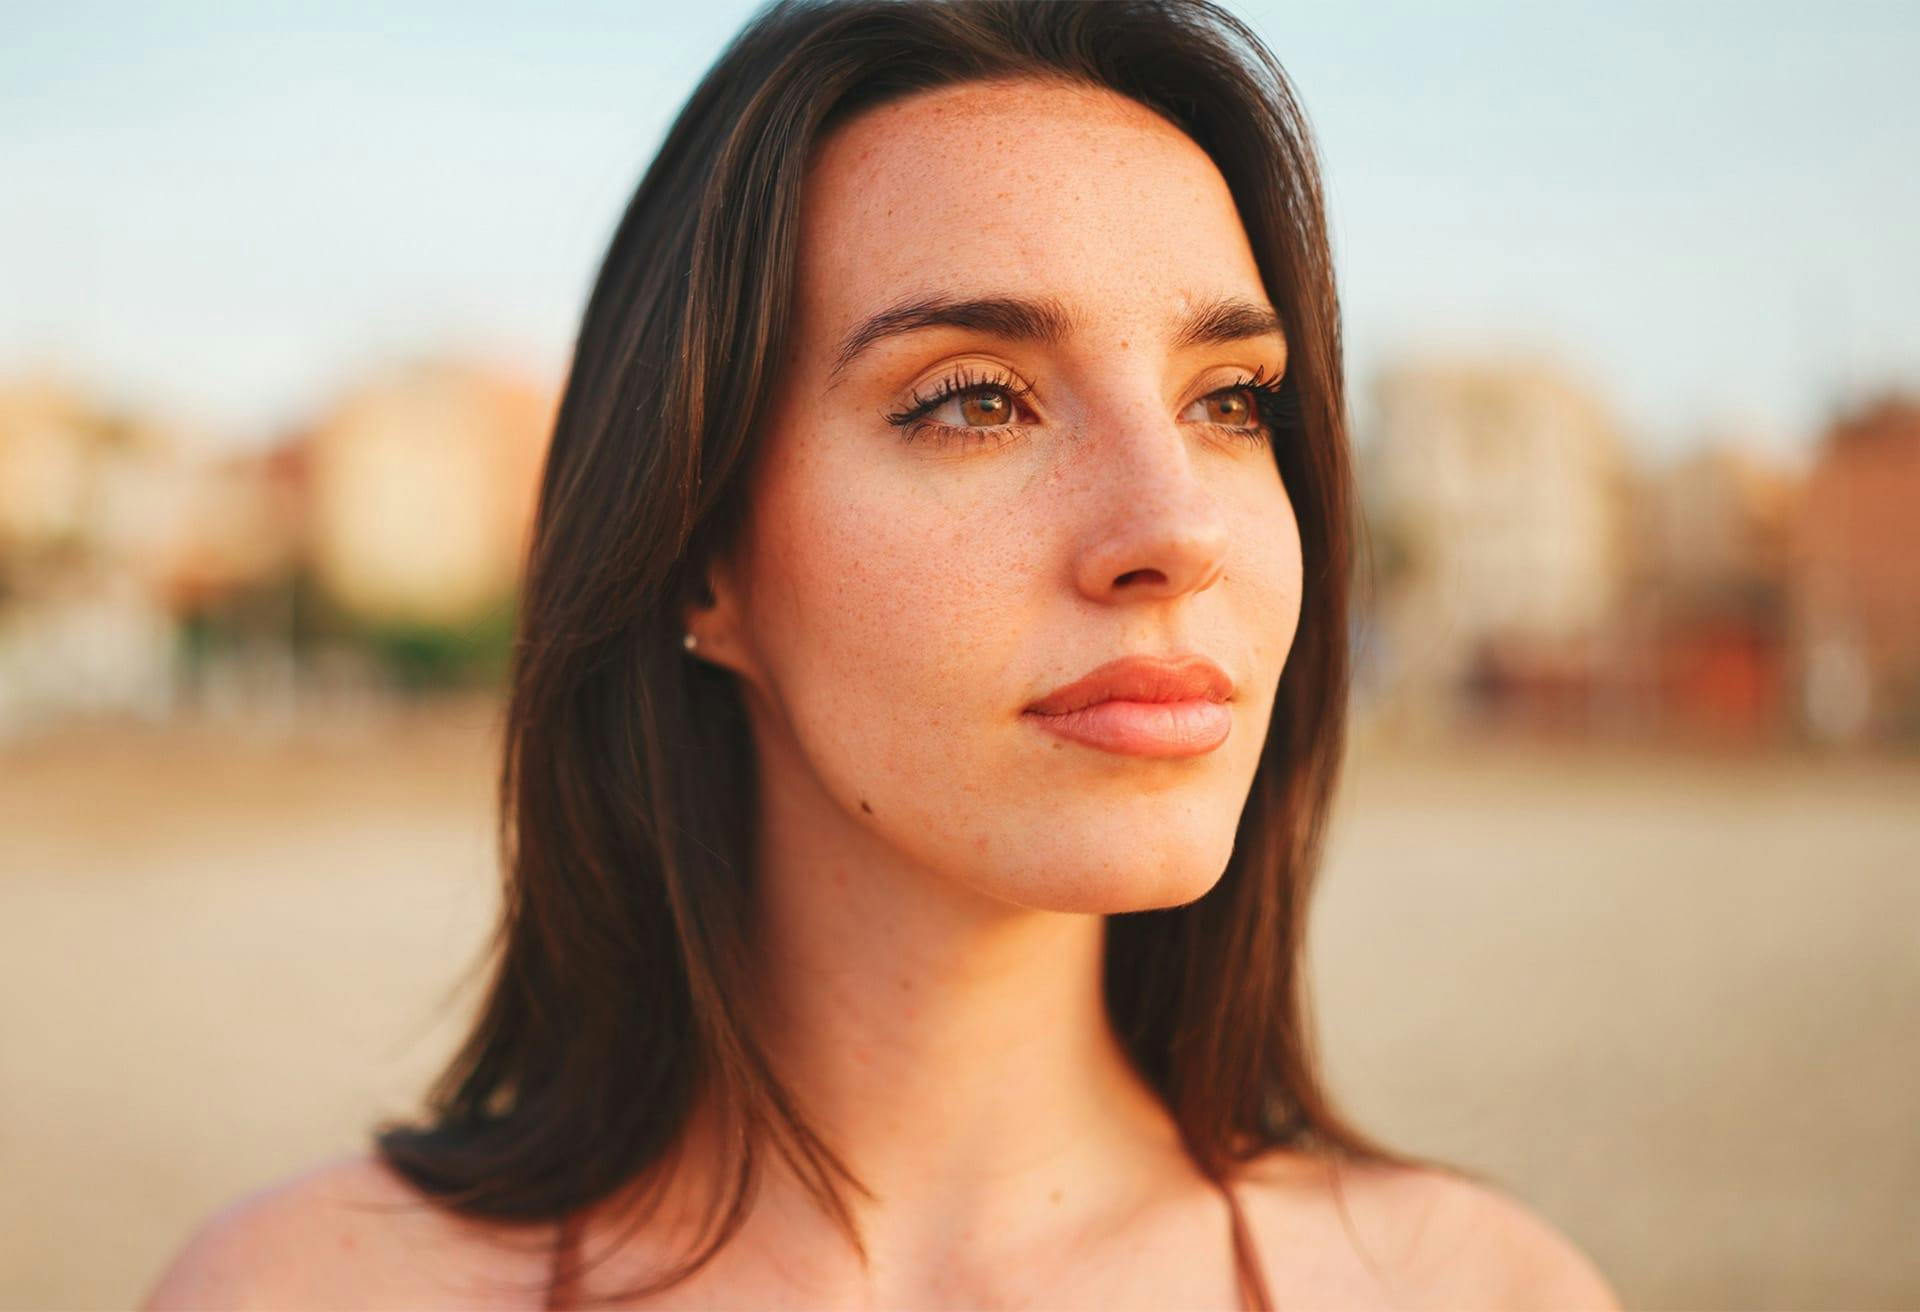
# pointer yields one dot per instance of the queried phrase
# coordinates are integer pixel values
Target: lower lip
(1189, 728)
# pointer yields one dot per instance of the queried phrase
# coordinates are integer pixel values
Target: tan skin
(892, 609)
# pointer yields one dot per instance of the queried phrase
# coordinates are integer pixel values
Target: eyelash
(1272, 403)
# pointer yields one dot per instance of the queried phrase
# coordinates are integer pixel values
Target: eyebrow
(1046, 320)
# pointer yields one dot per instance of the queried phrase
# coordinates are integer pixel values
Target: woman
(927, 699)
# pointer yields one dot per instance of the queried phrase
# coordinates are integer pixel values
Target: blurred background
(1623, 898)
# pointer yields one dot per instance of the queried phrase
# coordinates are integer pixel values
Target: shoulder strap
(1254, 1294)
(560, 1273)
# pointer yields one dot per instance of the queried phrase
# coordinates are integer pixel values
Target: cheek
(882, 613)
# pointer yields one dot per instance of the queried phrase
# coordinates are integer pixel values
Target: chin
(1111, 878)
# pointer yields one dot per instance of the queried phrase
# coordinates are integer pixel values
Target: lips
(1141, 679)
(1142, 706)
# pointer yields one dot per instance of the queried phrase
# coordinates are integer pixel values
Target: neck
(952, 1048)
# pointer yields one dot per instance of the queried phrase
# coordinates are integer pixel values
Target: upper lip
(1140, 679)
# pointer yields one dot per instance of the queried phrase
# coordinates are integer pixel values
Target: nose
(1160, 533)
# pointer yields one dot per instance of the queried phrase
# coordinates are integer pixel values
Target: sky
(1707, 212)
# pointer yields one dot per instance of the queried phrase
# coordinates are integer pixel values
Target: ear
(716, 619)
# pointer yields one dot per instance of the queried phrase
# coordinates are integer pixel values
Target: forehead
(1030, 187)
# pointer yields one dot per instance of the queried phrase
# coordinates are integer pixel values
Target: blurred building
(1496, 500)
(1713, 527)
(235, 525)
(49, 440)
(1856, 577)
(83, 498)
(421, 490)
(143, 566)
(1708, 603)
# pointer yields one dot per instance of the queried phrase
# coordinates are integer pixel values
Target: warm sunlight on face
(952, 519)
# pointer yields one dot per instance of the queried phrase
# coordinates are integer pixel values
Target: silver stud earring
(688, 641)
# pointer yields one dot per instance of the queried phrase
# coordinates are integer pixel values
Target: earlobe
(701, 631)
(703, 639)
(700, 608)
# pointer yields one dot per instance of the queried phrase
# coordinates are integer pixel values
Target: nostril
(1133, 574)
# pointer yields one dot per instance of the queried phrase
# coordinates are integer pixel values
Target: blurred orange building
(1856, 576)
(421, 489)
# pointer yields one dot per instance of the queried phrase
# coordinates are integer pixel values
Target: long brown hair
(619, 993)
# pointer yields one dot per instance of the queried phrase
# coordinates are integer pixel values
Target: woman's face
(913, 578)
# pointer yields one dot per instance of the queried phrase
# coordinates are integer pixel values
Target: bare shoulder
(1421, 1238)
(348, 1232)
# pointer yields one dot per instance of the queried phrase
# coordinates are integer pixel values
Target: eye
(964, 407)
(1230, 407)
(1245, 409)
(977, 407)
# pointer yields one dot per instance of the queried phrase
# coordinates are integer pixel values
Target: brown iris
(1231, 408)
(988, 406)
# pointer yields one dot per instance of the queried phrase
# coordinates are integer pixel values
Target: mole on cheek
(865, 807)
